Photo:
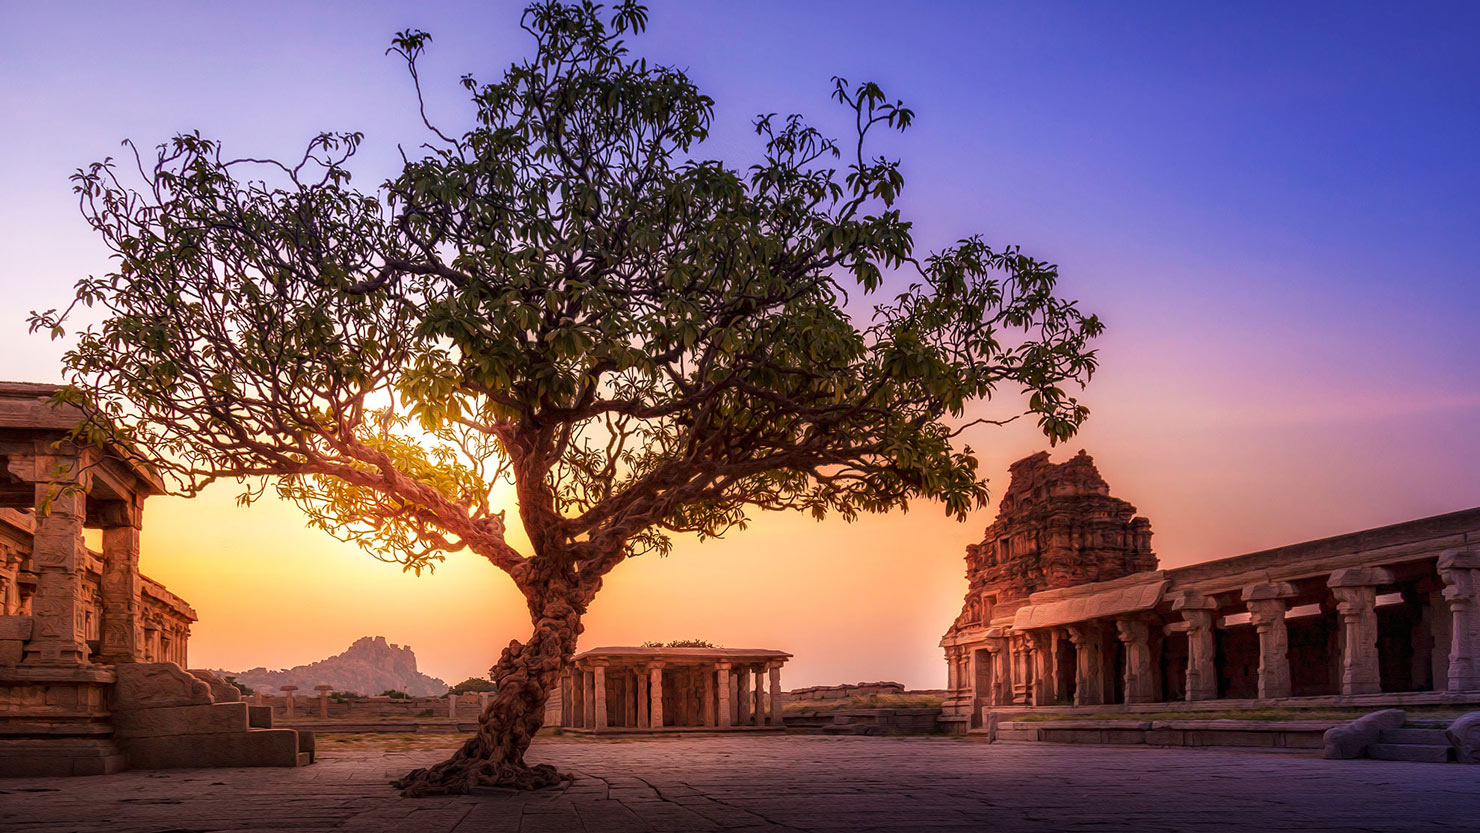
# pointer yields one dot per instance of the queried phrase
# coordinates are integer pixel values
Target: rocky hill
(369, 666)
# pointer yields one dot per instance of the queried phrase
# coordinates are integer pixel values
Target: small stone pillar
(1089, 672)
(1043, 670)
(1022, 668)
(994, 695)
(722, 682)
(287, 691)
(59, 559)
(1355, 590)
(629, 700)
(588, 699)
(655, 690)
(760, 695)
(1198, 612)
(1267, 604)
(122, 632)
(642, 697)
(778, 720)
(951, 685)
(742, 697)
(708, 708)
(323, 691)
(598, 674)
(1459, 569)
(1135, 635)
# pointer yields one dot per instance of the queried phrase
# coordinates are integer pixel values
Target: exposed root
(459, 776)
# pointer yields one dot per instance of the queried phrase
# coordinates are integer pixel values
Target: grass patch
(871, 701)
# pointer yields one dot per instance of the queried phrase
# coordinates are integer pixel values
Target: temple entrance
(1238, 662)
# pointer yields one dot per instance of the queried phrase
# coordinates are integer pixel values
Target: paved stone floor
(796, 783)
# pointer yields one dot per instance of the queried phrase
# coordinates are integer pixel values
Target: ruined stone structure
(670, 689)
(91, 651)
(1065, 608)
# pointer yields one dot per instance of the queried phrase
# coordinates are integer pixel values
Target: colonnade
(1124, 659)
(656, 694)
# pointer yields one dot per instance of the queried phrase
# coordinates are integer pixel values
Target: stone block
(153, 685)
(11, 651)
(181, 720)
(257, 747)
(63, 757)
(259, 717)
(306, 743)
(1464, 736)
(1360, 577)
(15, 627)
(221, 691)
(1352, 740)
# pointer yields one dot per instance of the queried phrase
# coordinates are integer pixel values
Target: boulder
(221, 691)
(1352, 739)
(153, 685)
(1464, 736)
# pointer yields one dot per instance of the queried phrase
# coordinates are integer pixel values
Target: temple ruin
(93, 653)
(670, 690)
(1066, 609)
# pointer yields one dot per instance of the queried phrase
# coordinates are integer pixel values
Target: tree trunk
(525, 674)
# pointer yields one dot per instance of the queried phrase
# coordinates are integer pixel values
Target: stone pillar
(1458, 569)
(1355, 590)
(323, 691)
(999, 692)
(588, 699)
(1267, 604)
(288, 695)
(951, 684)
(1198, 612)
(59, 558)
(451, 705)
(1089, 679)
(778, 719)
(1042, 690)
(760, 695)
(1135, 635)
(629, 701)
(642, 698)
(726, 704)
(655, 689)
(598, 674)
(708, 707)
(742, 696)
(1440, 627)
(122, 634)
(1056, 638)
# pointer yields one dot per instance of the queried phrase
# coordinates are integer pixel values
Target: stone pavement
(776, 783)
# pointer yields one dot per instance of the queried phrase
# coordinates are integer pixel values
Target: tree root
(459, 776)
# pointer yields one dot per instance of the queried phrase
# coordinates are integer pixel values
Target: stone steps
(1416, 752)
(1408, 734)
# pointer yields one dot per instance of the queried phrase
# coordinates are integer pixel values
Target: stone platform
(762, 783)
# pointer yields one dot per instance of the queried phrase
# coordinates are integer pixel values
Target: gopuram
(670, 690)
(1066, 609)
(92, 653)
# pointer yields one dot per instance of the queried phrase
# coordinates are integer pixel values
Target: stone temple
(1066, 608)
(92, 653)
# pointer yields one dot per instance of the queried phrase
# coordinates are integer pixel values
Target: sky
(1275, 208)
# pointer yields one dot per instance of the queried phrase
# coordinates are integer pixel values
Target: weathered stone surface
(181, 720)
(258, 747)
(1352, 740)
(1464, 736)
(153, 685)
(221, 691)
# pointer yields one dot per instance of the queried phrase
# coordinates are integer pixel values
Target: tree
(472, 685)
(566, 296)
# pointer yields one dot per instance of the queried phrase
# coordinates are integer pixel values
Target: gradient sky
(1275, 207)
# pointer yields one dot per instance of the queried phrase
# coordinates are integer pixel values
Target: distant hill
(369, 666)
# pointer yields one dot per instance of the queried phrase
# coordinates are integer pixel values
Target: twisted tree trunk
(524, 675)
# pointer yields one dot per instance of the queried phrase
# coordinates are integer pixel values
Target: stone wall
(830, 693)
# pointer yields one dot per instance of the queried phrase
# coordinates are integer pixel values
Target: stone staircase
(1413, 742)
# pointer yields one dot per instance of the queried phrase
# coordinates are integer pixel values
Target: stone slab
(254, 748)
(216, 718)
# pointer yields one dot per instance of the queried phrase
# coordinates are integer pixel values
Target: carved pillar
(722, 683)
(122, 635)
(760, 695)
(1022, 668)
(655, 689)
(951, 685)
(1458, 569)
(707, 708)
(59, 559)
(588, 699)
(777, 719)
(1267, 604)
(598, 674)
(1135, 635)
(1202, 672)
(323, 691)
(288, 694)
(742, 697)
(1355, 590)
(1089, 671)
(640, 677)
(1043, 671)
